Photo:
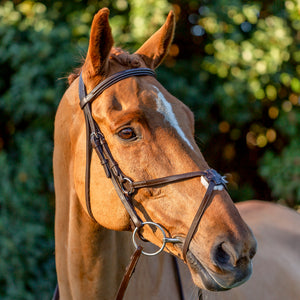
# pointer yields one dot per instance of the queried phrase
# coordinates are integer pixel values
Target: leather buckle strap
(95, 141)
(213, 175)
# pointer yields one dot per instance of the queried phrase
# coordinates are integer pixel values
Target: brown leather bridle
(124, 185)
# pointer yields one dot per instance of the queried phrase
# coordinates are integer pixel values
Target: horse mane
(117, 54)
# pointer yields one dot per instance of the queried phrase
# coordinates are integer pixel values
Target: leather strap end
(128, 273)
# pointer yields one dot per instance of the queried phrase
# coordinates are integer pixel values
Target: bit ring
(162, 231)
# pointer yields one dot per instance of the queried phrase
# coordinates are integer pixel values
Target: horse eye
(127, 134)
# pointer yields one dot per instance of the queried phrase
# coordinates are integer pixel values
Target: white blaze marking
(165, 108)
(216, 187)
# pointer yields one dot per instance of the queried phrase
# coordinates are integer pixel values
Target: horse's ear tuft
(155, 49)
(100, 44)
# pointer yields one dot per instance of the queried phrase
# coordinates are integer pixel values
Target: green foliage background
(235, 63)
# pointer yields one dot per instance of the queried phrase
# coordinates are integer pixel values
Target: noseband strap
(214, 179)
(124, 186)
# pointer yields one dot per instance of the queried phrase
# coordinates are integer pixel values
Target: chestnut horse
(149, 133)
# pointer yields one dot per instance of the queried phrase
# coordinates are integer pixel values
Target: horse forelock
(125, 59)
(118, 55)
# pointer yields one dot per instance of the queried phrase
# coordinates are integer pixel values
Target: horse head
(150, 134)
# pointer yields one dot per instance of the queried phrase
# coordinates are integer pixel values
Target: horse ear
(154, 50)
(100, 44)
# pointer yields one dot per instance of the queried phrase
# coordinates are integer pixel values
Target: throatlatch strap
(88, 169)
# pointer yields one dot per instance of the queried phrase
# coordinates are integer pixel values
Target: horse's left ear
(154, 50)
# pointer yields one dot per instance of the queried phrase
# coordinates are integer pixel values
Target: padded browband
(106, 83)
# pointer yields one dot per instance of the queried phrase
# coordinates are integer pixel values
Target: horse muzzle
(223, 271)
(221, 274)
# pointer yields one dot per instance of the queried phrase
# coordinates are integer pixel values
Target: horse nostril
(221, 257)
(227, 255)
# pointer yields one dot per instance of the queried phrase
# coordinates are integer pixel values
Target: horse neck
(90, 260)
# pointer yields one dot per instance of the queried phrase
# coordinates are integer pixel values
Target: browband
(106, 83)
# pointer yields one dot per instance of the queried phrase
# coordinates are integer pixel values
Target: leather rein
(124, 185)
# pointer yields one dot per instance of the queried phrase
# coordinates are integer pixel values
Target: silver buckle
(123, 187)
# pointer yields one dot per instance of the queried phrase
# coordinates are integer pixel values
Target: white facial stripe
(165, 108)
(216, 187)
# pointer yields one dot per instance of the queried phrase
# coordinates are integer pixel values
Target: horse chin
(205, 278)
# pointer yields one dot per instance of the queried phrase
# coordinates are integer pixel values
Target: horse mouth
(210, 280)
(204, 277)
